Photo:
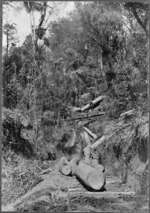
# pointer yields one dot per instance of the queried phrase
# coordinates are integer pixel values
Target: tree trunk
(90, 176)
(7, 42)
(65, 170)
(90, 133)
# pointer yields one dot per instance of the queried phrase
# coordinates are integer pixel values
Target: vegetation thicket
(100, 48)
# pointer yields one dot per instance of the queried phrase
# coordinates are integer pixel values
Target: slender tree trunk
(7, 42)
(32, 25)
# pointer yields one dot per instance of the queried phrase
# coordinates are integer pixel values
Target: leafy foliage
(99, 48)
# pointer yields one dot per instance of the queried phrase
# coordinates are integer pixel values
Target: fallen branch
(127, 114)
(90, 133)
(98, 142)
(46, 171)
(87, 117)
(76, 109)
(80, 190)
(93, 104)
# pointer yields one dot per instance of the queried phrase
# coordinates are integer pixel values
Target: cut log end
(96, 180)
(65, 170)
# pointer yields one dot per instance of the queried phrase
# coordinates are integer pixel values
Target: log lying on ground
(89, 172)
(92, 105)
(127, 114)
(74, 163)
(76, 109)
(90, 133)
(64, 167)
(100, 168)
(86, 117)
(65, 170)
(90, 176)
(98, 142)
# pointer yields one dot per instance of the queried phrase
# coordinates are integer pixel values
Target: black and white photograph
(75, 106)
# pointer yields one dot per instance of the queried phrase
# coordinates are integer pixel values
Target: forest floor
(56, 192)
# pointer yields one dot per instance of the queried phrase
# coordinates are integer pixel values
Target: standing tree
(10, 30)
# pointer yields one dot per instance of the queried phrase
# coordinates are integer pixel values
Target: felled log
(86, 117)
(94, 161)
(93, 104)
(65, 170)
(89, 176)
(87, 170)
(73, 164)
(98, 142)
(100, 168)
(76, 109)
(64, 167)
(90, 133)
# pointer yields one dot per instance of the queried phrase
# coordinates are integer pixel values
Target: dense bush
(89, 51)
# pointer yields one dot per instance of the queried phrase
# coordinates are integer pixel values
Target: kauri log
(65, 169)
(90, 176)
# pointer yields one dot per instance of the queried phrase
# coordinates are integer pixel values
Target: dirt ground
(65, 194)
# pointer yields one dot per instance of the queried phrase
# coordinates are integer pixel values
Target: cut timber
(90, 133)
(64, 167)
(87, 117)
(98, 142)
(76, 109)
(93, 104)
(90, 176)
(99, 194)
(100, 168)
(65, 170)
